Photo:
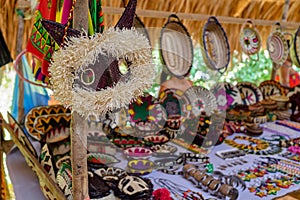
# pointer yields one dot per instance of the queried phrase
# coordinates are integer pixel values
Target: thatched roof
(231, 14)
(194, 13)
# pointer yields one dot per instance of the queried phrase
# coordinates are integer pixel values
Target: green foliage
(249, 69)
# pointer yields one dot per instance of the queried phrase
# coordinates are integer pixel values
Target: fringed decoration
(126, 44)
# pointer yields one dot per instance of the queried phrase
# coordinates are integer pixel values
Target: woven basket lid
(295, 48)
(216, 50)
(249, 38)
(277, 46)
(176, 47)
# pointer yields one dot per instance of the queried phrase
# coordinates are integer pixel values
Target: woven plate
(220, 93)
(277, 46)
(271, 88)
(39, 111)
(250, 93)
(176, 47)
(175, 103)
(146, 114)
(216, 50)
(295, 49)
(233, 95)
(201, 100)
(249, 38)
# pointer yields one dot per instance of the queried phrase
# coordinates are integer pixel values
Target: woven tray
(176, 47)
(216, 50)
(277, 45)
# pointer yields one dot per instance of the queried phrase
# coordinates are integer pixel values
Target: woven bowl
(216, 50)
(140, 167)
(176, 47)
(137, 153)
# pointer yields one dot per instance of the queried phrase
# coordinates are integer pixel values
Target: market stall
(105, 137)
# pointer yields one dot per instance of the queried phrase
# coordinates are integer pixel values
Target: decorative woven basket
(277, 45)
(249, 39)
(295, 48)
(176, 47)
(216, 50)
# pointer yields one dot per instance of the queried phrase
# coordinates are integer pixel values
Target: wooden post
(20, 68)
(78, 130)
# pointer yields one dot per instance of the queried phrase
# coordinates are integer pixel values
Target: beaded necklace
(260, 144)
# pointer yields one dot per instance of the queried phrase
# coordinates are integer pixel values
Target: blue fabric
(33, 95)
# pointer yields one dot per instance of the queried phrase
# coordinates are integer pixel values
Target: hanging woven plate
(216, 50)
(277, 46)
(295, 48)
(250, 93)
(249, 39)
(176, 47)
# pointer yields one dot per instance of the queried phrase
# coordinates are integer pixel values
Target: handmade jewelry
(259, 144)
(271, 150)
(179, 191)
(291, 142)
(291, 156)
(273, 184)
(232, 164)
(204, 181)
(169, 166)
(283, 166)
(82, 52)
(230, 154)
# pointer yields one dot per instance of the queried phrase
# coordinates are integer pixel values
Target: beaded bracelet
(208, 182)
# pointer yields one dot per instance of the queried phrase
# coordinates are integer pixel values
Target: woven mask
(131, 185)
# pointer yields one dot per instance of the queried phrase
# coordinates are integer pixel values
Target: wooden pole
(199, 17)
(78, 125)
(20, 68)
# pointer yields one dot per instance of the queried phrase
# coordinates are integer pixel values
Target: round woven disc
(277, 47)
(176, 49)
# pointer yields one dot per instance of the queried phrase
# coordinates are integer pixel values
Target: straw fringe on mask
(126, 44)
